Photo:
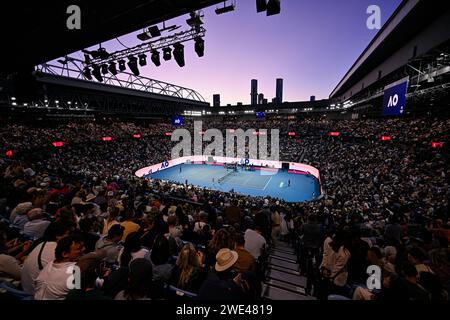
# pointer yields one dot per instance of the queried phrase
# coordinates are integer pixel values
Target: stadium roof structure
(426, 23)
(37, 32)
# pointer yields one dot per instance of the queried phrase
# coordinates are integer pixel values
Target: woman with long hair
(140, 281)
(333, 268)
(132, 250)
(221, 240)
(188, 274)
(159, 257)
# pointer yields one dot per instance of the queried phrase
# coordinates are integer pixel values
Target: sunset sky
(311, 45)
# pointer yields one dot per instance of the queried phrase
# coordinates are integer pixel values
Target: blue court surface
(252, 183)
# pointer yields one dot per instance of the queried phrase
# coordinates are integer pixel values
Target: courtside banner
(394, 100)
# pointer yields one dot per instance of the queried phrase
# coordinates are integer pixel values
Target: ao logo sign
(394, 100)
(165, 165)
(177, 121)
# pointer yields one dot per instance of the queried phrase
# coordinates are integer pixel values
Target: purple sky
(311, 45)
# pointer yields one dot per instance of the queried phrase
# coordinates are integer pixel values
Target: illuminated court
(253, 183)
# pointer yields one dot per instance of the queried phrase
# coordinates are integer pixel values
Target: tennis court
(253, 183)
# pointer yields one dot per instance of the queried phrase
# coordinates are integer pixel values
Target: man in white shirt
(254, 242)
(37, 260)
(53, 282)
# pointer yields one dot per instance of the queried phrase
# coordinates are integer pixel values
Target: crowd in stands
(80, 206)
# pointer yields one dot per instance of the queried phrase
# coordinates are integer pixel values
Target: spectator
(336, 255)
(91, 268)
(42, 254)
(411, 283)
(10, 266)
(110, 220)
(129, 225)
(440, 262)
(51, 284)
(233, 213)
(276, 225)
(416, 257)
(174, 230)
(188, 273)
(220, 240)
(393, 232)
(159, 257)
(219, 285)
(255, 243)
(131, 250)
(20, 210)
(390, 254)
(245, 262)
(139, 281)
(36, 226)
(110, 243)
(88, 232)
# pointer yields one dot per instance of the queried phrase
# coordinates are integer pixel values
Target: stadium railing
(7, 290)
(174, 293)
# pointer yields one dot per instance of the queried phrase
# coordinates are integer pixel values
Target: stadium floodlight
(97, 73)
(195, 20)
(155, 58)
(142, 59)
(144, 36)
(178, 54)
(122, 66)
(94, 54)
(87, 59)
(133, 65)
(87, 74)
(152, 32)
(103, 54)
(112, 68)
(200, 46)
(273, 7)
(104, 68)
(167, 53)
(261, 5)
(225, 8)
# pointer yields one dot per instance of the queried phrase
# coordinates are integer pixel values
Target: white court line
(267, 183)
